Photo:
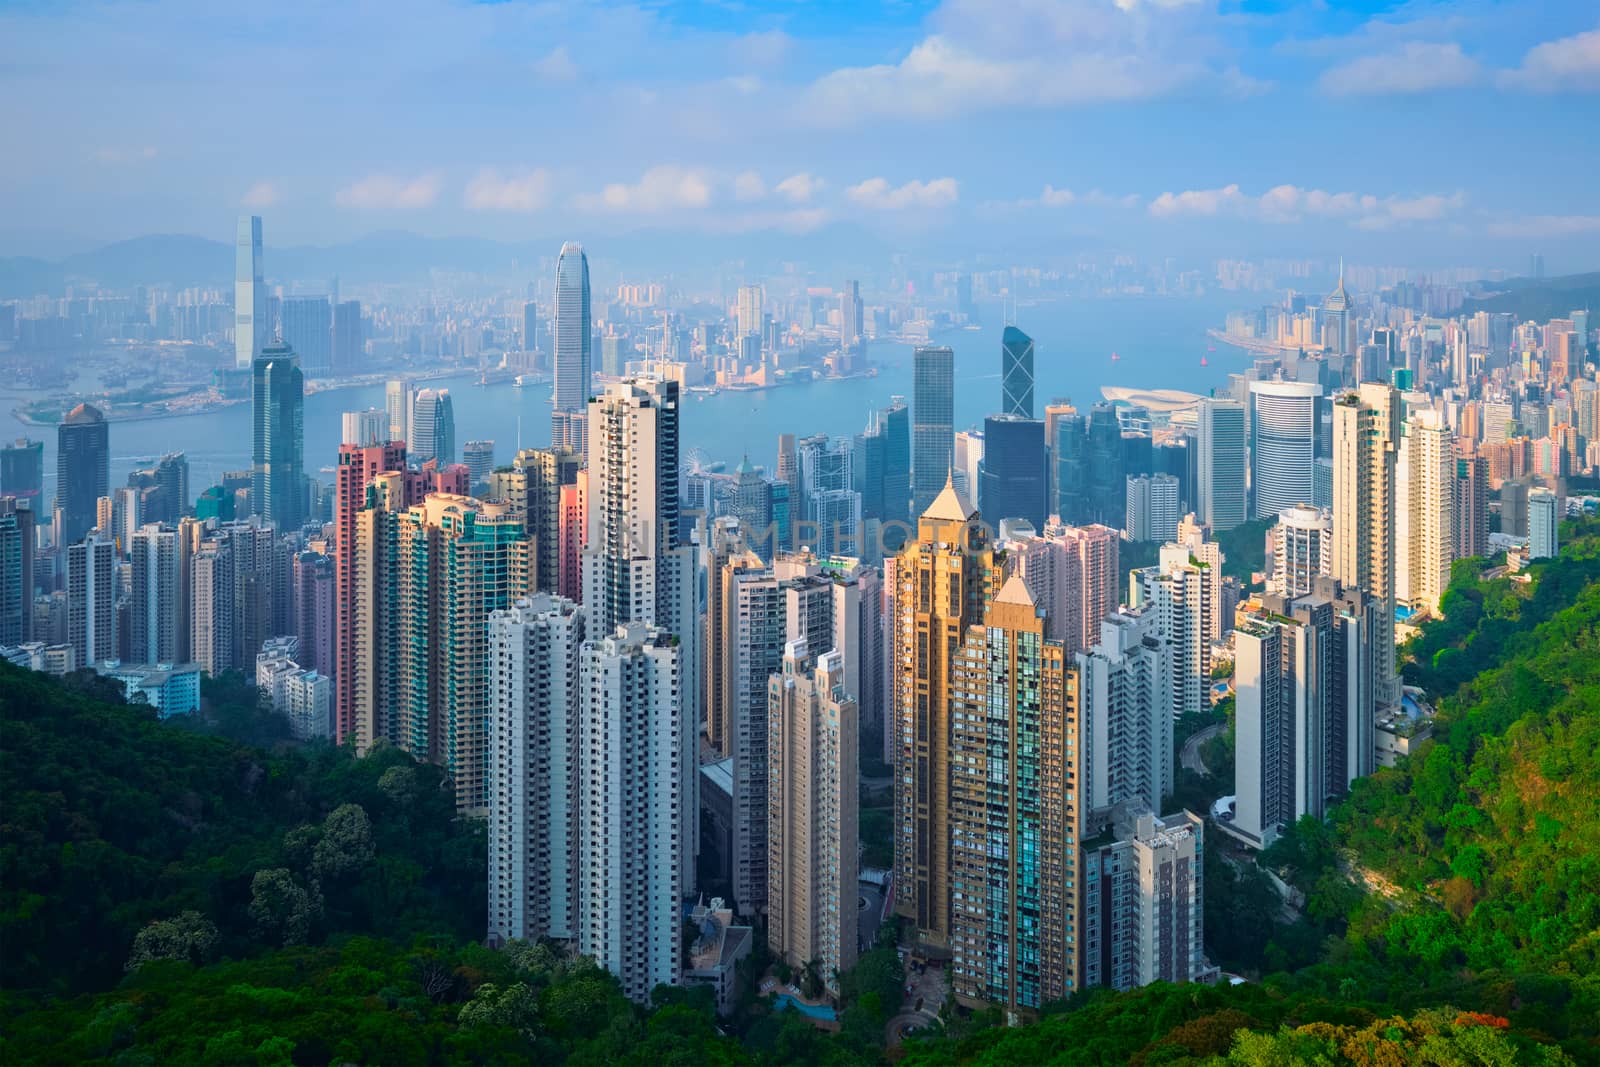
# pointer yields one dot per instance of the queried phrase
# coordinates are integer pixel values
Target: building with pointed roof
(942, 580)
(1014, 819)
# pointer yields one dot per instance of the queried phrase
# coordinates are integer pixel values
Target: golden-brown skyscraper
(943, 580)
(1013, 810)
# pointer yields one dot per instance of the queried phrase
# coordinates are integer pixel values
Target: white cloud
(749, 186)
(1571, 63)
(1546, 226)
(1196, 202)
(940, 78)
(1414, 67)
(799, 188)
(385, 192)
(744, 84)
(664, 188)
(1292, 203)
(525, 191)
(1053, 197)
(556, 66)
(978, 55)
(879, 195)
(760, 51)
(261, 194)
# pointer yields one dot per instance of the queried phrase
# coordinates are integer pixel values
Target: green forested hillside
(113, 820)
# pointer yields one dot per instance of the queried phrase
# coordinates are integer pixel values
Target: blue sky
(1447, 132)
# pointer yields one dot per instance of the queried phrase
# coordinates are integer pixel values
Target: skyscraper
(1283, 444)
(1143, 896)
(158, 613)
(398, 401)
(277, 484)
(1424, 511)
(573, 325)
(479, 458)
(16, 571)
(434, 427)
(357, 469)
(635, 570)
(1152, 508)
(1300, 551)
(1016, 373)
(91, 600)
(1012, 482)
(1336, 317)
(753, 634)
(894, 422)
(1073, 573)
(1183, 592)
(22, 471)
(932, 423)
(1221, 465)
(1471, 510)
(365, 429)
(1304, 674)
(1544, 524)
(251, 330)
(850, 316)
(1014, 818)
(943, 580)
(348, 344)
(812, 826)
(535, 650)
(308, 329)
(1125, 714)
(83, 471)
(1107, 471)
(631, 805)
(430, 576)
(1366, 440)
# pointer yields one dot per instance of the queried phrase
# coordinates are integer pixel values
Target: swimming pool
(811, 1011)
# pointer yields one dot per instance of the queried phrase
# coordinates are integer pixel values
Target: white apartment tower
(631, 804)
(1366, 441)
(535, 650)
(634, 568)
(1424, 511)
(91, 599)
(1183, 593)
(812, 828)
(1302, 550)
(1125, 702)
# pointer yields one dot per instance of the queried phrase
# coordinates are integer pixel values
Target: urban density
(598, 651)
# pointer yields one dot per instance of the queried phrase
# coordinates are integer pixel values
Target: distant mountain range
(180, 261)
(1539, 299)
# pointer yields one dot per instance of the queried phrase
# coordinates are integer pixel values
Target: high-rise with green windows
(1014, 819)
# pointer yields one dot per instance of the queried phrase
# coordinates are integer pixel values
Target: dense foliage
(114, 820)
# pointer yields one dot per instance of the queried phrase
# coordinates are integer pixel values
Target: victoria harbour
(1159, 342)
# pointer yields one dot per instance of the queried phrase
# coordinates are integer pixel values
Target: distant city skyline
(1195, 111)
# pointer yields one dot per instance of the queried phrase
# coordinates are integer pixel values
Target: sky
(1446, 132)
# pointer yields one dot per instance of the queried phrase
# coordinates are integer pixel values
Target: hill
(1538, 299)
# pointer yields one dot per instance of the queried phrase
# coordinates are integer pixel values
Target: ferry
(518, 382)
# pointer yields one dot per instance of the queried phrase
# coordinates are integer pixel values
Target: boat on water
(518, 382)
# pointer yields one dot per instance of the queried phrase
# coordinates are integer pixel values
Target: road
(929, 985)
(1190, 756)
